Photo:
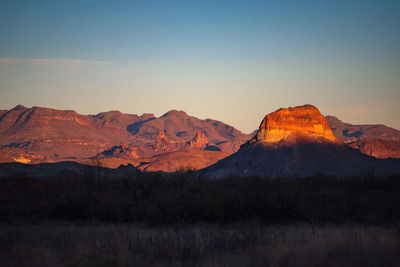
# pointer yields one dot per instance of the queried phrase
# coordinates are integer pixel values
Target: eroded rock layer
(306, 120)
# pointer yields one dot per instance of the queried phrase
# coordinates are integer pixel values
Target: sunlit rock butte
(307, 120)
(298, 142)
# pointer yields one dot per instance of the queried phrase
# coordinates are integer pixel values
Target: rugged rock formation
(121, 151)
(161, 143)
(200, 140)
(307, 119)
(297, 142)
(180, 127)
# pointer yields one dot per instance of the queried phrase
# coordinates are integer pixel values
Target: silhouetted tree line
(184, 198)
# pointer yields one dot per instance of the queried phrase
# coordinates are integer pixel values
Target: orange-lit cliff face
(286, 122)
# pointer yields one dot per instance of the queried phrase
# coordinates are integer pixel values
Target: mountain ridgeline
(374, 140)
(36, 135)
(292, 141)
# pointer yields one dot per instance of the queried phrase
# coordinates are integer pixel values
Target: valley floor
(68, 244)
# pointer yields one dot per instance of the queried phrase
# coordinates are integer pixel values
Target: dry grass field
(198, 245)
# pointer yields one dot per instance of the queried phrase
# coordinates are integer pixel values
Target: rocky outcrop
(181, 127)
(200, 140)
(161, 143)
(124, 151)
(307, 120)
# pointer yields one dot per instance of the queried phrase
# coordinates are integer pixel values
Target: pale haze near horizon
(233, 61)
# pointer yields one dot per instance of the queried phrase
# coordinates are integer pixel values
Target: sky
(233, 61)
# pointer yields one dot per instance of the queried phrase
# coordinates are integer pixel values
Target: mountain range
(37, 135)
(171, 142)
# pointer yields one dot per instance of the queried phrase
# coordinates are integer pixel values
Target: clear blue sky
(233, 61)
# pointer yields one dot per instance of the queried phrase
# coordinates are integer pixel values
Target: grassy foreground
(198, 245)
(145, 219)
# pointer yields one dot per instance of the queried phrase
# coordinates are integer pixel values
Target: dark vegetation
(159, 199)
(99, 218)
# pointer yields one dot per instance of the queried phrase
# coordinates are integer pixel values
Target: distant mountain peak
(19, 107)
(111, 112)
(147, 116)
(175, 112)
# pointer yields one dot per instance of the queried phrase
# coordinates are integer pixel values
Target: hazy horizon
(233, 61)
